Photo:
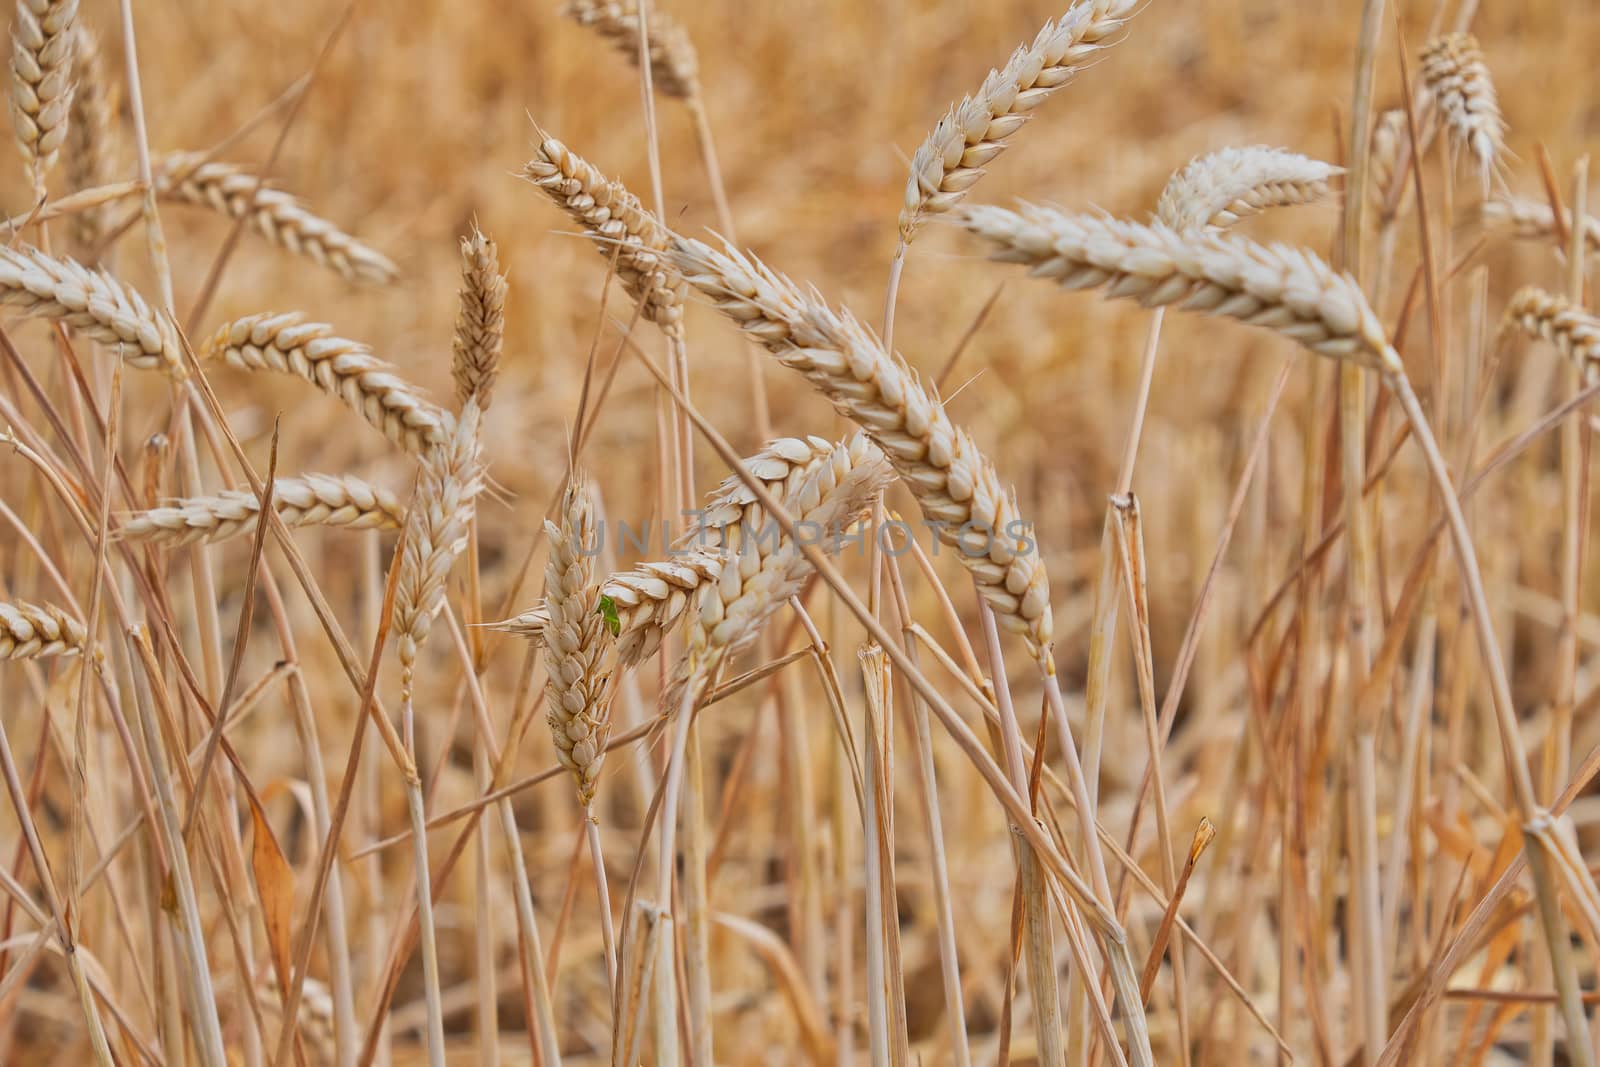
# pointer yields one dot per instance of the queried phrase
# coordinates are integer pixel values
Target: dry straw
(90, 152)
(32, 631)
(674, 65)
(1281, 288)
(1573, 331)
(346, 369)
(480, 320)
(953, 482)
(574, 643)
(618, 224)
(91, 302)
(188, 178)
(974, 131)
(41, 80)
(309, 500)
(1457, 80)
(1219, 189)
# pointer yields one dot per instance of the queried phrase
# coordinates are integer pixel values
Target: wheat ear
(574, 643)
(1219, 189)
(282, 219)
(91, 302)
(618, 224)
(436, 532)
(1534, 220)
(346, 369)
(309, 500)
(953, 482)
(1573, 331)
(90, 150)
(1457, 79)
(1275, 286)
(674, 64)
(32, 631)
(41, 81)
(974, 131)
(480, 320)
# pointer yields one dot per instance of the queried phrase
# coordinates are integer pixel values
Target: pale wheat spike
(574, 643)
(309, 500)
(674, 64)
(952, 480)
(974, 131)
(41, 80)
(435, 533)
(1219, 189)
(346, 369)
(282, 219)
(779, 467)
(763, 571)
(652, 598)
(1457, 79)
(91, 302)
(480, 320)
(1574, 331)
(1534, 220)
(1390, 146)
(619, 226)
(31, 631)
(90, 152)
(1285, 289)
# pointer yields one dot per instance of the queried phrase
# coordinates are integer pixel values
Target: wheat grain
(1574, 331)
(309, 500)
(620, 227)
(480, 320)
(31, 631)
(1457, 79)
(1284, 289)
(346, 369)
(974, 131)
(652, 598)
(674, 65)
(780, 467)
(574, 643)
(188, 178)
(1534, 220)
(90, 150)
(41, 80)
(1219, 189)
(436, 532)
(91, 302)
(955, 485)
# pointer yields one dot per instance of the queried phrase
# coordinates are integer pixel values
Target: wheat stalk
(309, 500)
(90, 150)
(32, 631)
(1573, 331)
(346, 369)
(1219, 189)
(1281, 288)
(974, 131)
(91, 302)
(480, 320)
(574, 643)
(436, 532)
(1535, 220)
(41, 81)
(283, 219)
(952, 480)
(618, 224)
(1457, 79)
(674, 64)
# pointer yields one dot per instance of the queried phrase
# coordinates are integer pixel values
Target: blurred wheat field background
(1372, 832)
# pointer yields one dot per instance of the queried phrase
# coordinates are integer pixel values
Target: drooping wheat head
(32, 631)
(346, 369)
(480, 321)
(1534, 220)
(620, 227)
(309, 500)
(1574, 331)
(674, 64)
(91, 149)
(955, 485)
(1457, 79)
(974, 132)
(1219, 189)
(41, 80)
(282, 219)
